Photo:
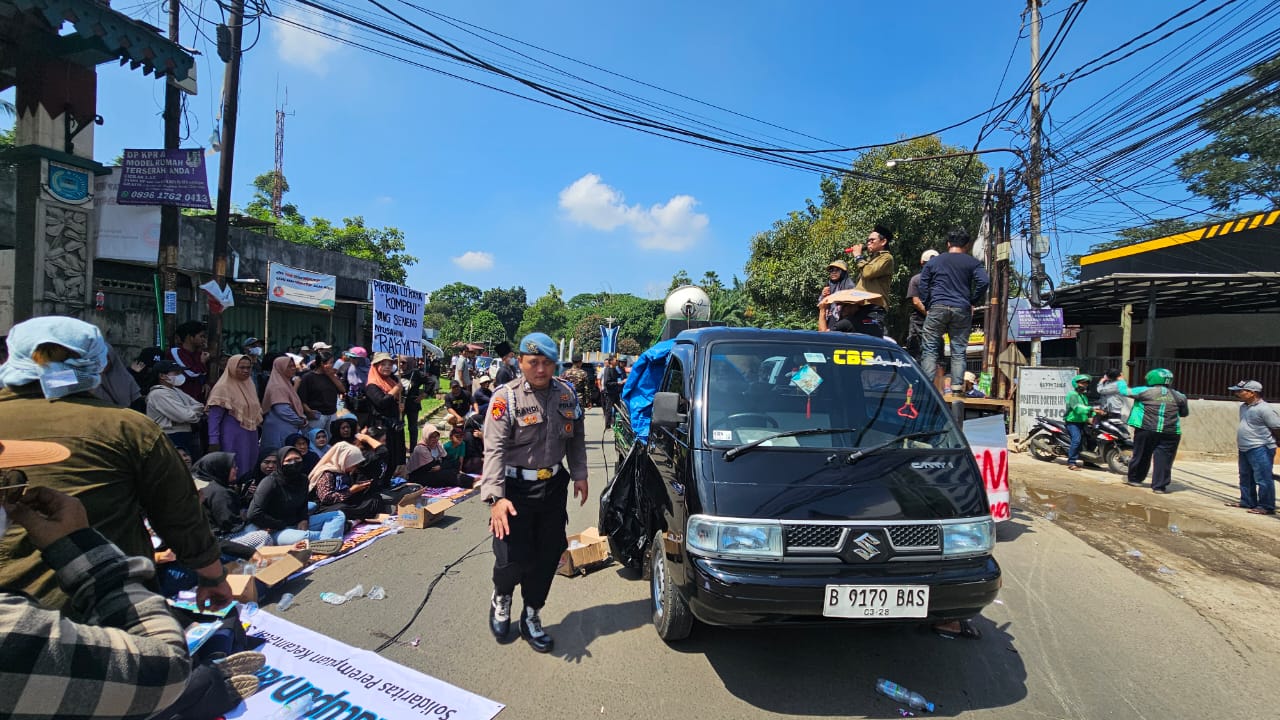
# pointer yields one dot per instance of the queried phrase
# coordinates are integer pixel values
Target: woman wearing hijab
(343, 429)
(337, 485)
(318, 441)
(427, 461)
(282, 410)
(222, 500)
(299, 442)
(267, 464)
(234, 413)
(118, 386)
(386, 402)
(280, 505)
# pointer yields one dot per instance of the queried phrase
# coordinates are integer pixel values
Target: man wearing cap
(115, 652)
(483, 394)
(121, 465)
(918, 310)
(1256, 437)
(534, 423)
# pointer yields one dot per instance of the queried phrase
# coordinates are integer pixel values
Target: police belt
(533, 474)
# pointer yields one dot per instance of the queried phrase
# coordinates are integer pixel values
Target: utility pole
(167, 261)
(222, 220)
(1033, 177)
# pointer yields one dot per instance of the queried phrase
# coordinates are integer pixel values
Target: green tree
(484, 327)
(1127, 236)
(260, 206)
(586, 333)
(679, 279)
(1242, 162)
(920, 202)
(449, 309)
(546, 315)
(508, 304)
(630, 346)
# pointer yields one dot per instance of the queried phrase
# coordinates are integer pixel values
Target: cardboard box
(592, 552)
(282, 561)
(412, 516)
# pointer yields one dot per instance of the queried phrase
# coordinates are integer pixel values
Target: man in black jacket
(950, 284)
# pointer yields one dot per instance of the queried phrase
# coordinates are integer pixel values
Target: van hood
(889, 485)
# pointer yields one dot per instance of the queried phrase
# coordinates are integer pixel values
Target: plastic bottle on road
(903, 695)
(355, 592)
(286, 601)
(377, 593)
(333, 598)
(294, 709)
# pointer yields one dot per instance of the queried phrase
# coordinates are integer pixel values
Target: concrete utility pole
(222, 219)
(1033, 175)
(167, 261)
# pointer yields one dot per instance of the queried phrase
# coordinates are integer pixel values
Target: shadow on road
(825, 672)
(575, 633)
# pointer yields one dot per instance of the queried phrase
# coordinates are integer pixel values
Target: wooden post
(1126, 337)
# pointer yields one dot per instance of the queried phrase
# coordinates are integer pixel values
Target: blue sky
(497, 191)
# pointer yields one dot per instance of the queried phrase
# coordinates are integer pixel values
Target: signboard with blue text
(164, 177)
(300, 287)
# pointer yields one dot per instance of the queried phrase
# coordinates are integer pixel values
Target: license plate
(876, 601)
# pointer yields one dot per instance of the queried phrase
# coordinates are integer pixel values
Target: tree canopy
(1242, 162)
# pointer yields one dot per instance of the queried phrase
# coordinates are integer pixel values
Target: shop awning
(1175, 295)
(101, 34)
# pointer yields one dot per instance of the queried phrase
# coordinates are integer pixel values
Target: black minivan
(809, 478)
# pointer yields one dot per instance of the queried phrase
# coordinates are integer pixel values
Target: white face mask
(255, 351)
(176, 380)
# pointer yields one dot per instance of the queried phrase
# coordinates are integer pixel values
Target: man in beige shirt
(534, 424)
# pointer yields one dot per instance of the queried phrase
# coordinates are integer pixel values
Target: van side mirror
(666, 410)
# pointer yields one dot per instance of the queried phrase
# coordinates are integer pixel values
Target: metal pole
(222, 219)
(1151, 323)
(1033, 167)
(167, 258)
(266, 312)
(1126, 337)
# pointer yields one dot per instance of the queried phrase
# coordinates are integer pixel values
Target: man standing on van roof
(875, 267)
(949, 286)
(534, 423)
(918, 310)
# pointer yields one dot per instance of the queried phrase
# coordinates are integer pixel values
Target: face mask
(255, 351)
(58, 380)
(292, 471)
(177, 380)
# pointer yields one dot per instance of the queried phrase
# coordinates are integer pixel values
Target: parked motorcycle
(1105, 443)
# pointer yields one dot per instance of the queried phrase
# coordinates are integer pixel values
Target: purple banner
(164, 177)
(1041, 323)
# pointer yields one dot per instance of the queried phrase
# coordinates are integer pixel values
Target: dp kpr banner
(301, 287)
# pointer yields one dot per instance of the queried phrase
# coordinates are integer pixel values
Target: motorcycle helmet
(1082, 377)
(1159, 376)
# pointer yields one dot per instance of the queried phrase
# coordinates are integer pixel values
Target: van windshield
(756, 389)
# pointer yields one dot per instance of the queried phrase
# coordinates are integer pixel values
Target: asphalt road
(1076, 634)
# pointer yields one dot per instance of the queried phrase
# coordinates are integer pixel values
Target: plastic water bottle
(903, 695)
(333, 598)
(377, 593)
(286, 601)
(248, 610)
(355, 592)
(294, 709)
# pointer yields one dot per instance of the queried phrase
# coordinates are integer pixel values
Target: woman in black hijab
(221, 499)
(267, 464)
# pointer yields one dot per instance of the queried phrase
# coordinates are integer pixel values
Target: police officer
(534, 423)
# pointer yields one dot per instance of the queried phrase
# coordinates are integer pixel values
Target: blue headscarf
(311, 440)
(57, 379)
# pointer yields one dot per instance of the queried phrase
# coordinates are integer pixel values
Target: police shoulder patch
(498, 408)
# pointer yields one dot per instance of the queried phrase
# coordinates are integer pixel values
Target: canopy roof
(1175, 294)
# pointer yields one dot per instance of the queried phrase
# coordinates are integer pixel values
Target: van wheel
(1042, 448)
(671, 616)
(1118, 460)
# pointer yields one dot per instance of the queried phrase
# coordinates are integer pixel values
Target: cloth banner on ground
(164, 177)
(300, 287)
(397, 319)
(345, 682)
(991, 450)
(359, 536)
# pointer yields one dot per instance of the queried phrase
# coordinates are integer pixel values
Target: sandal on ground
(244, 685)
(241, 663)
(1238, 505)
(1073, 467)
(325, 547)
(1261, 511)
(967, 631)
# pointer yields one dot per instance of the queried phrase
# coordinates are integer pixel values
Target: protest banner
(342, 681)
(300, 287)
(397, 319)
(990, 448)
(164, 177)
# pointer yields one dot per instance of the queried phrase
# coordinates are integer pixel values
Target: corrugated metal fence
(1207, 379)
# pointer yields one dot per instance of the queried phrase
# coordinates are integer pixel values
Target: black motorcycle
(1106, 442)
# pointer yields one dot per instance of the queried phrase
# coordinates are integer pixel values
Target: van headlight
(741, 538)
(973, 538)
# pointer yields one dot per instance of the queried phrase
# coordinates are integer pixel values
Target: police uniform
(527, 436)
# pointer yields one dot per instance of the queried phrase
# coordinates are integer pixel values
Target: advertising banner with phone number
(164, 177)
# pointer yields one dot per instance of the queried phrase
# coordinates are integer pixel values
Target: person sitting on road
(299, 441)
(343, 429)
(117, 653)
(280, 505)
(223, 500)
(268, 461)
(339, 482)
(427, 462)
(458, 404)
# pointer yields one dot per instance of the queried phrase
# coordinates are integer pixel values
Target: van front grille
(813, 536)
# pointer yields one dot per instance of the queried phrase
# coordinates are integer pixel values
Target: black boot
(531, 630)
(500, 616)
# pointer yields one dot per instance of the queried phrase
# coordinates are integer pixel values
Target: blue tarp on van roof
(642, 384)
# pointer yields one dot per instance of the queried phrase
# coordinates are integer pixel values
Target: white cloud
(673, 225)
(304, 49)
(474, 260)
